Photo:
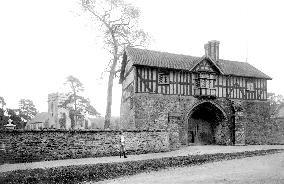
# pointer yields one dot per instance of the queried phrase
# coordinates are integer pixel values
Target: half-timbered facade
(179, 92)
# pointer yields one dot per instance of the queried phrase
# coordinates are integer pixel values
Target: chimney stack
(212, 49)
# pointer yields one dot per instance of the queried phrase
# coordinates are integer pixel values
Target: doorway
(206, 124)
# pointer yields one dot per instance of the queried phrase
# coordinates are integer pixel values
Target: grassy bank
(98, 172)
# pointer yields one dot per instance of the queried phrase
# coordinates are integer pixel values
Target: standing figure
(122, 145)
(2, 152)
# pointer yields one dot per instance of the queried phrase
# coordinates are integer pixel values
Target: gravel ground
(190, 150)
(268, 169)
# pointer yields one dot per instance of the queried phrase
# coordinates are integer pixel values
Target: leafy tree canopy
(27, 109)
(2, 102)
(12, 114)
(276, 102)
(77, 105)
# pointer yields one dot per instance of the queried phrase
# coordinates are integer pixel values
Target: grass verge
(99, 172)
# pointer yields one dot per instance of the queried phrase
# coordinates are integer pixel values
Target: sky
(43, 42)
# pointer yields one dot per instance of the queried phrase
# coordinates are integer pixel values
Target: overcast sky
(42, 42)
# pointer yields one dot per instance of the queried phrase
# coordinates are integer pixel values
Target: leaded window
(163, 78)
(250, 86)
(204, 84)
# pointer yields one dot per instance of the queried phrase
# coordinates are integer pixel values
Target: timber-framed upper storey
(145, 71)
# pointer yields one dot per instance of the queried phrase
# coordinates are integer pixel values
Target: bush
(103, 171)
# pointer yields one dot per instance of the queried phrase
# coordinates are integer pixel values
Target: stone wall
(257, 117)
(27, 146)
(259, 128)
(167, 112)
(170, 112)
(275, 131)
(246, 121)
(240, 123)
(151, 111)
(127, 114)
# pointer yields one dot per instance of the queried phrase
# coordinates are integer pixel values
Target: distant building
(55, 112)
(40, 121)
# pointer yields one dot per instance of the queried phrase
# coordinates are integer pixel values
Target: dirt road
(267, 169)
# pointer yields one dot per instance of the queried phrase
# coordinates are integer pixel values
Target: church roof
(39, 118)
(185, 62)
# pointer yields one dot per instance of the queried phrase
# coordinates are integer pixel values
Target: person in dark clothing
(122, 145)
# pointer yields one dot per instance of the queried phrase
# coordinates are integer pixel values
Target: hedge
(103, 171)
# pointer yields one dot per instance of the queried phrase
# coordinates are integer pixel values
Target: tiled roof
(241, 69)
(161, 59)
(184, 62)
(39, 117)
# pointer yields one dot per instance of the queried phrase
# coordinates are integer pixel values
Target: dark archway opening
(205, 124)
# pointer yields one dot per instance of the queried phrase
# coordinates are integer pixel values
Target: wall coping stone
(80, 131)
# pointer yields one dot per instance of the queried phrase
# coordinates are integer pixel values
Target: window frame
(250, 86)
(165, 77)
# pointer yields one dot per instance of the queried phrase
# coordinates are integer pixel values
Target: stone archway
(208, 124)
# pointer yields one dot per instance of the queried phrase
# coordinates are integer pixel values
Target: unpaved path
(190, 150)
(267, 169)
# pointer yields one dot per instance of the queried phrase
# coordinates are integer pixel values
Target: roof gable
(206, 64)
(39, 117)
(151, 58)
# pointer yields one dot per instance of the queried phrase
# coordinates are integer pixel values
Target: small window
(131, 103)
(197, 83)
(163, 78)
(250, 86)
(203, 83)
(204, 75)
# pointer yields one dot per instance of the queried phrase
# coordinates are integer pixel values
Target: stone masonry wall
(275, 131)
(260, 129)
(225, 130)
(127, 114)
(169, 112)
(257, 117)
(246, 122)
(240, 123)
(152, 111)
(27, 146)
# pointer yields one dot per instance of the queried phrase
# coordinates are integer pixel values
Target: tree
(13, 114)
(77, 105)
(17, 120)
(27, 109)
(7, 114)
(2, 102)
(276, 102)
(62, 121)
(76, 86)
(119, 22)
(3, 118)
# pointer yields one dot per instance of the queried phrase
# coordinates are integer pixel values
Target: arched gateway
(208, 124)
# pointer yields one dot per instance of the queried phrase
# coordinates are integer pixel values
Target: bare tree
(119, 25)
